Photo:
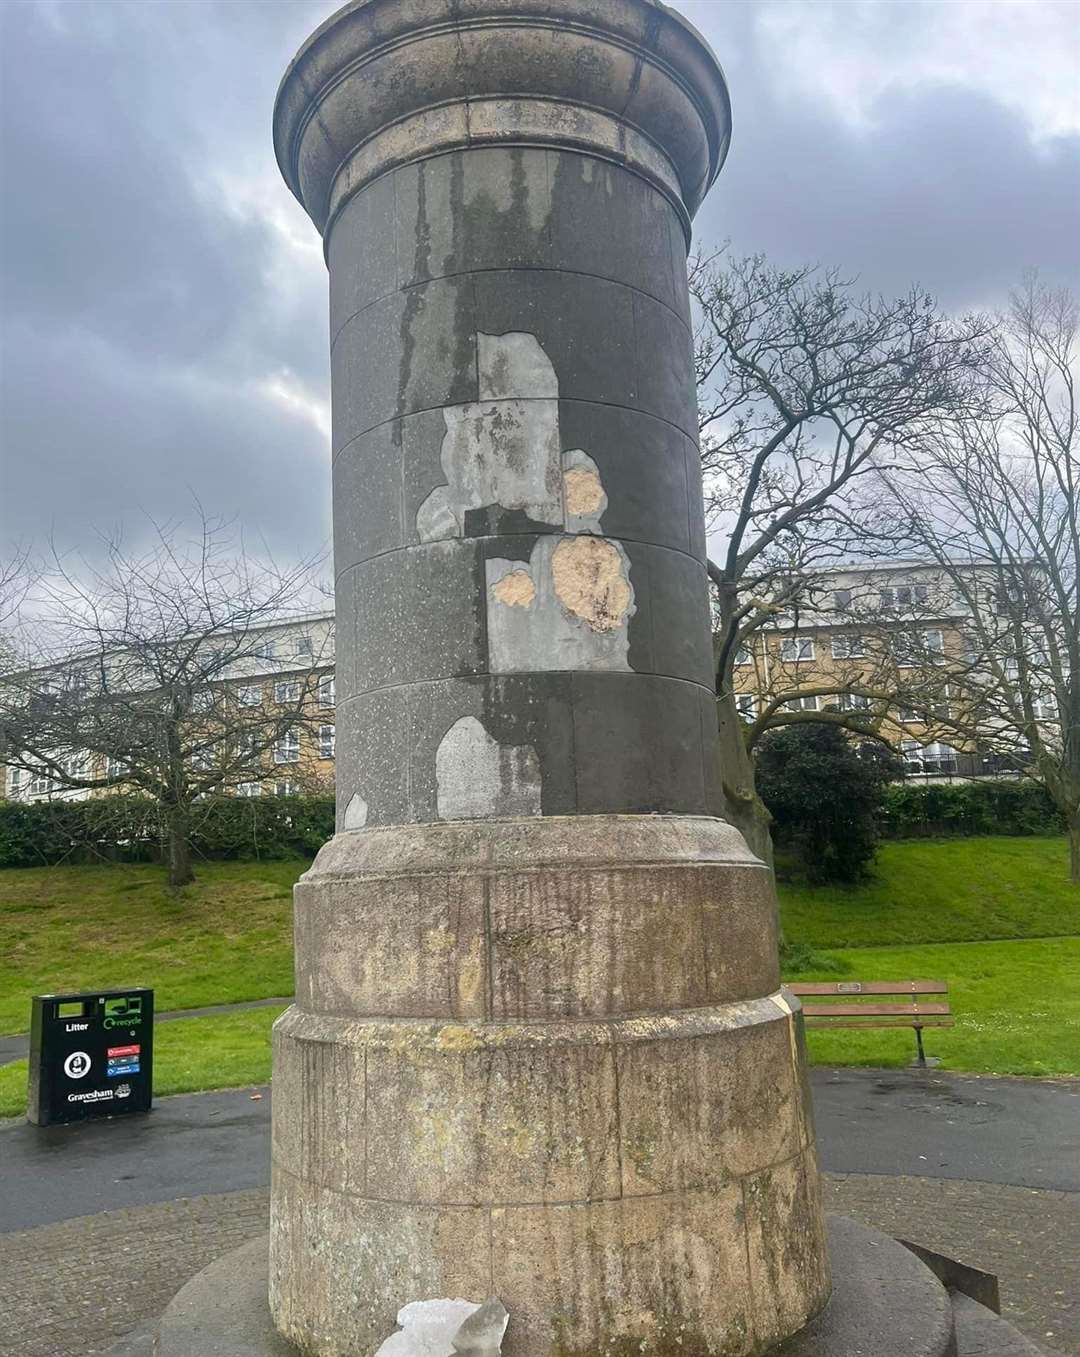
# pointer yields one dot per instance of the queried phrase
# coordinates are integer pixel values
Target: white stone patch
(496, 452)
(356, 813)
(505, 448)
(514, 364)
(477, 778)
(577, 617)
(427, 1328)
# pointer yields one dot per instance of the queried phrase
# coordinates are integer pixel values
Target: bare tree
(1000, 513)
(134, 678)
(807, 389)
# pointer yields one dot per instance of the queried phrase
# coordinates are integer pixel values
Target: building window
(928, 758)
(848, 648)
(744, 655)
(853, 702)
(1044, 708)
(746, 705)
(304, 648)
(797, 648)
(287, 749)
(326, 742)
(246, 742)
(203, 760)
(841, 599)
(40, 784)
(15, 783)
(286, 789)
(249, 789)
(203, 701)
(250, 695)
(935, 646)
(802, 704)
(286, 692)
(263, 650)
(115, 768)
(326, 691)
(924, 711)
(905, 596)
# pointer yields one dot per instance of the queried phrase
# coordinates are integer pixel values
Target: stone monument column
(539, 1048)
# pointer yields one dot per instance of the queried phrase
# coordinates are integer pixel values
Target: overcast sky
(164, 298)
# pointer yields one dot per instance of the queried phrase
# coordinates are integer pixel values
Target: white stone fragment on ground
(481, 1334)
(443, 1328)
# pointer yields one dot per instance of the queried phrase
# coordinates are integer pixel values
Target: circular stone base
(884, 1302)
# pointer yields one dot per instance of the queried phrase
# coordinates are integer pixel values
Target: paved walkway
(101, 1223)
(75, 1287)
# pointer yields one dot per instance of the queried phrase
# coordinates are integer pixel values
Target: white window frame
(287, 788)
(797, 649)
(847, 646)
(287, 749)
(746, 706)
(326, 691)
(264, 650)
(249, 789)
(841, 600)
(744, 654)
(854, 702)
(250, 695)
(327, 740)
(288, 690)
(39, 783)
(15, 783)
(802, 703)
(304, 648)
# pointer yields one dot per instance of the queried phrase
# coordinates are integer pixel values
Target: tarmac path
(101, 1223)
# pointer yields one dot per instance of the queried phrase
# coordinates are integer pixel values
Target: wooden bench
(850, 1008)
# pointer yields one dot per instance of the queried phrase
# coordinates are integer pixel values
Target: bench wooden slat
(872, 987)
(870, 1010)
(898, 1024)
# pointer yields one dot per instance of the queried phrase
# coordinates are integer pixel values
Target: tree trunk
(179, 830)
(742, 805)
(1074, 852)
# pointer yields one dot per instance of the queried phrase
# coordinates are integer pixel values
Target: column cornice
(385, 82)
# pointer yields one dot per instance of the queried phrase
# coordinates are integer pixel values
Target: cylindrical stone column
(539, 1047)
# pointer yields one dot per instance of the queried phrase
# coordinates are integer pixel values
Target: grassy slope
(943, 890)
(1017, 1007)
(226, 938)
(1017, 1000)
(196, 1053)
(229, 938)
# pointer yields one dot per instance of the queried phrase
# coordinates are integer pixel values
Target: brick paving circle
(74, 1288)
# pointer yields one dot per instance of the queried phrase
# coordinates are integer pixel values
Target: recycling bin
(91, 1055)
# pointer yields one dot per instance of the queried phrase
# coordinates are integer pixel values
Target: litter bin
(91, 1055)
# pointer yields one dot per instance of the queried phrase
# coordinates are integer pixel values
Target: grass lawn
(190, 1054)
(1017, 1007)
(995, 917)
(943, 890)
(226, 938)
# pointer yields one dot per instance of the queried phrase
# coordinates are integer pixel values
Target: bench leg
(922, 1053)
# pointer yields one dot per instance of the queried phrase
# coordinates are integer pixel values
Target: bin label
(77, 1065)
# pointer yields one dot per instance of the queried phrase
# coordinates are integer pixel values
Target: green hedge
(129, 829)
(968, 808)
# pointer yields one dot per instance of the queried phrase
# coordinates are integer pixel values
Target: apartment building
(861, 632)
(282, 665)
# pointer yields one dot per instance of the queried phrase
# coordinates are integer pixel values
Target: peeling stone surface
(578, 612)
(478, 778)
(505, 450)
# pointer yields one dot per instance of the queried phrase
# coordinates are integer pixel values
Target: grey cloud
(142, 309)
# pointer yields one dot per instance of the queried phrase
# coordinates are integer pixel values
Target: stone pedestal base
(588, 1099)
(884, 1303)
